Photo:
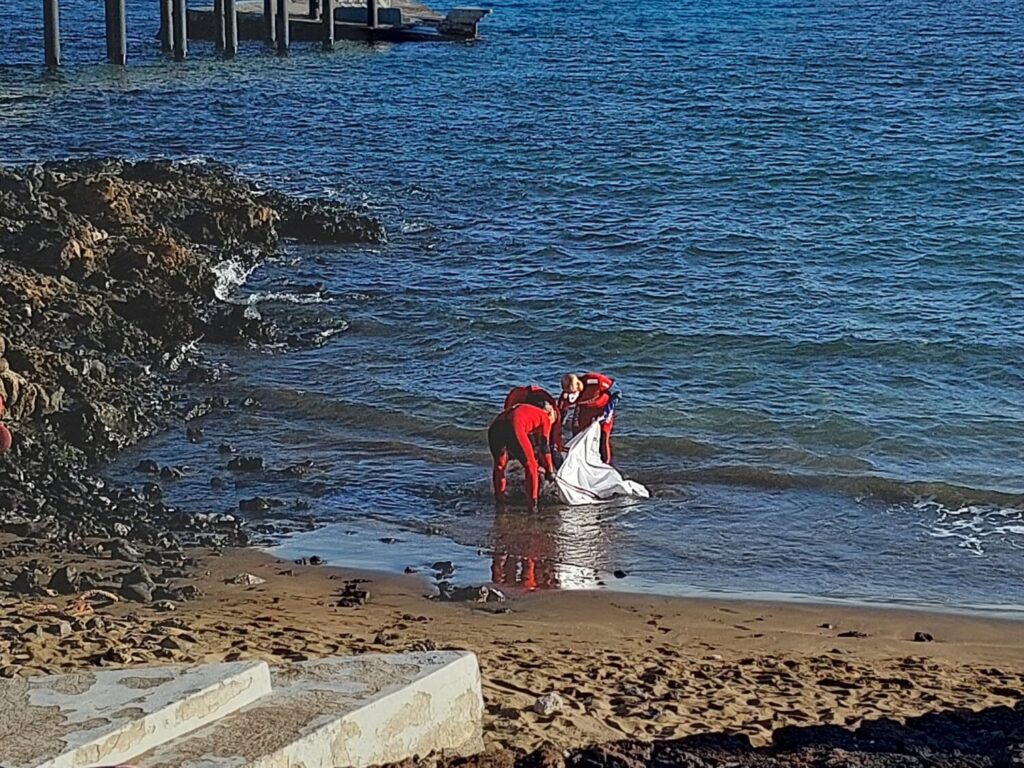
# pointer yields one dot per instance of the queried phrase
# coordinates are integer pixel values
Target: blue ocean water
(792, 231)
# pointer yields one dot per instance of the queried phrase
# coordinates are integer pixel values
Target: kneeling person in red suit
(521, 433)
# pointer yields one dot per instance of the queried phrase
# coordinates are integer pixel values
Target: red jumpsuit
(513, 434)
(590, 407)
(535, 395)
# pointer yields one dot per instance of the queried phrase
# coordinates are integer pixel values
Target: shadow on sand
(957, 738)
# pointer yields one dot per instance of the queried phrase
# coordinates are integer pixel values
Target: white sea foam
(974, 526)
(259, 297)
(231, 274)
(415, 225)
(327, 333)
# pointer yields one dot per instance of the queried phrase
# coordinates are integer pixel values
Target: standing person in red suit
(521, 433)
(585, 399)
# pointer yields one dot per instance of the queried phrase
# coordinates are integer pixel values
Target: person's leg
(498, 475)
(606, 439)
(497, 443)
(526, 454)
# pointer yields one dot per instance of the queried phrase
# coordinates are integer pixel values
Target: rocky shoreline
(110, 275)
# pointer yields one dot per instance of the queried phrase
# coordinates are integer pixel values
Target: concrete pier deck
(106, 717)
(327, 713)
(355, 711)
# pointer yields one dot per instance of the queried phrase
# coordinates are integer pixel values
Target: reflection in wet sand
(555, 549)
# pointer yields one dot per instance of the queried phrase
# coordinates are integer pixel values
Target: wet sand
(625, 665)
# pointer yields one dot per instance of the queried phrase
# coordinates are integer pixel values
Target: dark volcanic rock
(246, 463)
(28, 582)
(122, 550)
(139, 592)
(109, 274)
(255, 504)
(66, 581)
(323, 222)
(110, 270)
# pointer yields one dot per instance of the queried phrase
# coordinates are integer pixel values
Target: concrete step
(339, 712)
(97, 718)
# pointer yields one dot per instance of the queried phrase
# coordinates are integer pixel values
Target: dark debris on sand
(108, 276)
(992, 738)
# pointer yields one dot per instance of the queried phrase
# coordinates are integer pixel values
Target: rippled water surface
(792, 231)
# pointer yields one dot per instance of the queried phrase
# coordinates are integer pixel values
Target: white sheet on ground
(584, 479)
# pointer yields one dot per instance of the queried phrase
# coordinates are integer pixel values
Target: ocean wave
(861, 487)
(260, 297)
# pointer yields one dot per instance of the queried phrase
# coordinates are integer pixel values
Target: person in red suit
(521, 433)
(538, 396)
(585, 399)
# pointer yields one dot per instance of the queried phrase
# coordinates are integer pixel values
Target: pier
(277, 23)
(309, 21)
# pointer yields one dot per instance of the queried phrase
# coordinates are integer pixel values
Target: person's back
(534, 395)
(531, 394)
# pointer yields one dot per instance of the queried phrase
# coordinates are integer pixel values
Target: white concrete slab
(352, 711)
(104, 717)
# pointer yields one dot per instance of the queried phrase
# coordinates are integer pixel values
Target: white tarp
(584, 479)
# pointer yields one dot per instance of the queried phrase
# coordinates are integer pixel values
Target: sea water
(793, 232)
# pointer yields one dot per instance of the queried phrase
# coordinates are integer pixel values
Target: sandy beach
(625, 665)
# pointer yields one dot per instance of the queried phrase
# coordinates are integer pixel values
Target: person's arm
(558, 436)
(549, 464)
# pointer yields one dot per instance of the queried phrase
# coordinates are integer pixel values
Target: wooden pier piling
(371, 13)
(230, 29)
(166, 26)
(117, 35)
(327, 24)
(180, 18)
(282, 27)
(269, 21)
(51, 32)
(218, 22)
